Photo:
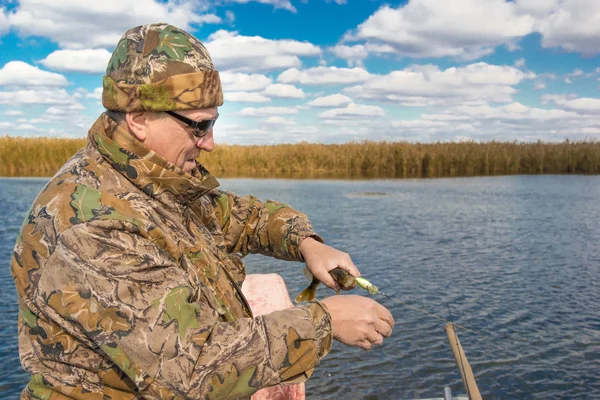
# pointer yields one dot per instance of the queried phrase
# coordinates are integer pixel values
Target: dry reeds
(35, 156)
(43, 156)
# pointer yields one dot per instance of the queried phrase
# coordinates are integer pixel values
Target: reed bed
(43, 157)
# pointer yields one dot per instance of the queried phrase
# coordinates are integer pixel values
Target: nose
(207, 143)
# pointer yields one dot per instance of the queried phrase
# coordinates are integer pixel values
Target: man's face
(174, 141)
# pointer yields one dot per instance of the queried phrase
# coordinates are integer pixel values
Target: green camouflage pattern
(159, 67)
(128, 272)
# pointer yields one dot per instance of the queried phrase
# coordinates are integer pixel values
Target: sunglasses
(200, 128)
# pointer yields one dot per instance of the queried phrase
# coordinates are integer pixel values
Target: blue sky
(326, 71)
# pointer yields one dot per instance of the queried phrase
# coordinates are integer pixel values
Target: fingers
(383, 328)
(327, 280)
(385, 315)
(358, 321)
(375, 337)
(320, 259)
(365, 345)
(347, 264)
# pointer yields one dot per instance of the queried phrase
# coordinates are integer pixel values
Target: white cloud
(80, 93)
(238, 82)
(548, 75)
(573, 25)
(283, 4)
(96, 94)
(513, 121)
(18, 73)
(324, 76)
(4, 23)
(230, 16)
(72, 113)
(584, 104)
(425, 85)
(540, 86)
(576, 72)
(85, 60)
(334, 100)
(431, 28)
(14, 113)
(42, 96)
(246, 97)
(355, 54)
(234, 134)
(470, 29)
(520, 63)
(280, 121)
(60, 111)
(559, 99)
(419, 123)
(284, 91)
(267, 111)
(233, 52)
(353, 110)
(513, 112)
(26, 127)
(568, 81)
(76, 25)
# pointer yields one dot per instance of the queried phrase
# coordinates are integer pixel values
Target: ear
(137, 124)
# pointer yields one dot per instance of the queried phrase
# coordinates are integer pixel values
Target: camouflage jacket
(128, 273)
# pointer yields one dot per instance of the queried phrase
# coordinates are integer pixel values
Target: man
(128, 266)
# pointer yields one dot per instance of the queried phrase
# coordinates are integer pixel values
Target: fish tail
(309, 293)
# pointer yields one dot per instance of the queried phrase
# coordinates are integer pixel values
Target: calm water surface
(517, 258)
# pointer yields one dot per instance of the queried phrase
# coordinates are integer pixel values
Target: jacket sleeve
(270, 228)
(127, 296)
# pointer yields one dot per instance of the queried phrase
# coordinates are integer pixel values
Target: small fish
(340, 275)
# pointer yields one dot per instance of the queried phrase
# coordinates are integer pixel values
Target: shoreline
(341, 178)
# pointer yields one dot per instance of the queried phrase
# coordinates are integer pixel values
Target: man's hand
(358, 321)
(320, 259)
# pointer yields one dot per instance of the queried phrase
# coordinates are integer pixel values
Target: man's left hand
(320, 259)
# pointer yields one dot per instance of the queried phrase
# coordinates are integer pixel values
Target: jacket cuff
(299, 237)
(322, 322)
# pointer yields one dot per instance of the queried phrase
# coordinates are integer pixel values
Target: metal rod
(447, 393)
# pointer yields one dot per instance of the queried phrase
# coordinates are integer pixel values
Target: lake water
(516, 258)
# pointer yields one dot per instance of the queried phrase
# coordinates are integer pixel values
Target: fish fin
(307, 274)
(309, 293)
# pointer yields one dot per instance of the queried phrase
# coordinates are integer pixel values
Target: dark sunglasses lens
(203, 127)
(206, 124)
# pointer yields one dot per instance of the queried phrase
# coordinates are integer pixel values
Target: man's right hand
(358, 321)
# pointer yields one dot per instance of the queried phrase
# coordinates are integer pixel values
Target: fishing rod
(372, 289)
(347, 281)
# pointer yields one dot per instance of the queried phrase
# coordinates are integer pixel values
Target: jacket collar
(144, 168)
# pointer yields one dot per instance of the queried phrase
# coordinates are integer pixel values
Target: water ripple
(516, 258)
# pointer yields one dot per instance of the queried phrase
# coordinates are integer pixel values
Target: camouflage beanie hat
(159, 67)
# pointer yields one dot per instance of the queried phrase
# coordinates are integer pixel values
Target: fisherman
(128, 266)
